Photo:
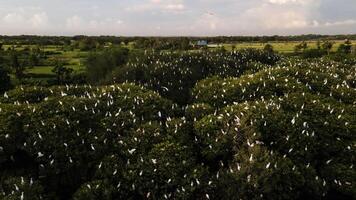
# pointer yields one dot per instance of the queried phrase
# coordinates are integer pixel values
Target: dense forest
(177, 122)
(59, 40)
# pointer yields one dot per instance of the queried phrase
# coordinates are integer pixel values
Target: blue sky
(177, 17)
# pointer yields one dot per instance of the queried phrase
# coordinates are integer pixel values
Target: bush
(197, 111)
(21, 188)
(329, 79)
(5, 81)
(313, 53)
(173, 170)
(174, 74)
(215, 143)
(62, 137)
(254, 131)
(267, 176)
(299, 130)
(220, 92)
(99, 65)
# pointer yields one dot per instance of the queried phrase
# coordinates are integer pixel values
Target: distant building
(202, 43)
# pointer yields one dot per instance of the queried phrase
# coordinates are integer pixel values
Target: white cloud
(156, 1)
(21, 22)
(341, 23)
(177, 17)
(174, 6)
(39, 20)
(270, 17)
(13, 18)
(286, 20)
(300, 2)
(281, 16)
(74, 22)
(158, 5)
(139, 8)
(78, 25)
(211, 24)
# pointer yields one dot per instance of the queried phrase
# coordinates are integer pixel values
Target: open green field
(48, 69)
(74, 58)
(282, 47)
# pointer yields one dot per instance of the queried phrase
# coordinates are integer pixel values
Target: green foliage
(253, 180)
(327, 46)
(197, 111)
(171, 167)
(301, 47)
(16, 65)
(300, 130)
(174, 74)
(313, 53)
(5, 81)
(219, 92)
(251, 125)
(95, 190)
(86, 44)
(314, 77)
(99, 65)
(62, 73)
(163, 43)
(67, 135)
(35, 56)
(21, 188)
(345, 48)
(268, 48)
(216, 145)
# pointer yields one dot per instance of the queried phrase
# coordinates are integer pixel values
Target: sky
(177, 17)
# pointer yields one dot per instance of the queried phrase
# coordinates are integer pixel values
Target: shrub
(197, 111)
(62, 138)
(313, 53)
(100, 64)
(317, 78)
(21, 188)
(174, 74)
(5, 81)
(301, 129)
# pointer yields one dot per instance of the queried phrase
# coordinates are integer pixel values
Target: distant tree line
(61, 40)
(324, 48)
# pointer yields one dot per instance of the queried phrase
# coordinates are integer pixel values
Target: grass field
(282, 47)
(75, 58)
(48, 69)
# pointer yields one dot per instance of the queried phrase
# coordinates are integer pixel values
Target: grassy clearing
(75, 58)
(48, 69)
(282, 47)
(40, 70)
